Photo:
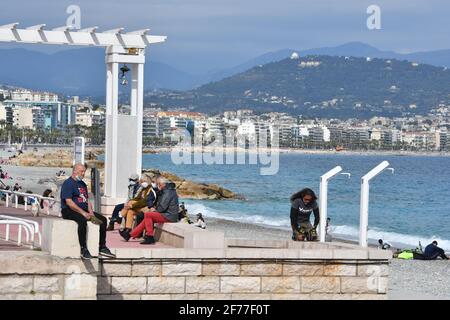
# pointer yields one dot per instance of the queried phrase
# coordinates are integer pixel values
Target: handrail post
(323, 208)
(364, 205)
(19, 236)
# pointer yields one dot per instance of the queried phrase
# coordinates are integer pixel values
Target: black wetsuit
(301, 213)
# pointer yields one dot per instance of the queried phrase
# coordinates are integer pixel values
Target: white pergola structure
(123, 150)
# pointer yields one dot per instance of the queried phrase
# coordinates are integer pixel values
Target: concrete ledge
(35, 262)
(183, 235)
(250, 253)
(60, 238)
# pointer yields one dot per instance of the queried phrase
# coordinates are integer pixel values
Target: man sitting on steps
(75, 206)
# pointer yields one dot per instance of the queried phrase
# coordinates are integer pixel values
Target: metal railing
(13, 196)
(33, 226)
(31, 229)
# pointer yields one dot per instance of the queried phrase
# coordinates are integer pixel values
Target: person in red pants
(166, 211)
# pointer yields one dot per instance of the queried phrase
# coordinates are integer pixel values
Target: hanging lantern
(124, 69)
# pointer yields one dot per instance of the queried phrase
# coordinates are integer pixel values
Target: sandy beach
(35, 179)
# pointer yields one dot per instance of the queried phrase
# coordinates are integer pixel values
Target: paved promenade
(114, 240)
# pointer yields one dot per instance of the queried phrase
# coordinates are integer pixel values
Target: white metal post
(364, 205)
(323, 208)
(19, 236)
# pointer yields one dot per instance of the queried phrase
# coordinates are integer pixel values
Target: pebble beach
(408, 279)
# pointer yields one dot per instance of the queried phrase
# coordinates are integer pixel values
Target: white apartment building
(23, 118)
(376, 134)
(4, 93)
(2, 112)
(28, 95)
(89, 118)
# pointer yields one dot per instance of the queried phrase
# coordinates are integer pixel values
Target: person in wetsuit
(303, 204)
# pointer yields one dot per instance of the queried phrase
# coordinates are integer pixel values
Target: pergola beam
(84, 37)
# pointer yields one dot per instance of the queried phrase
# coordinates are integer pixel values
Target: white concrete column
(127, 137)
(112, 83)
(140, 114)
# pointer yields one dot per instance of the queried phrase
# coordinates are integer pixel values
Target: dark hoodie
(167, 203)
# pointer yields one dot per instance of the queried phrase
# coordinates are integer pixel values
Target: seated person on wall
(151, 200)
(166, 211)
(303, 203)
(133, 187)
(133, 206)
(75, 206)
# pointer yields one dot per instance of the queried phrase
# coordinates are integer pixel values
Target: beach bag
(406, 255)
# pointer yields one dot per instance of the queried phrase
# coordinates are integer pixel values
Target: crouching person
(75, 206)
(166, 210)
(303, 204)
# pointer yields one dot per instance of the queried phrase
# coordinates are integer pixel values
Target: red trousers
(149, 218)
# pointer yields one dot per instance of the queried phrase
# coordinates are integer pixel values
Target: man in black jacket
(166, 211)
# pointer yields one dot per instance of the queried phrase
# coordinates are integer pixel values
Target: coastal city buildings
(26, 109)
(377, 133)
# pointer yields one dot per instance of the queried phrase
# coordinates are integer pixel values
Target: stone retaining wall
(301, 271)
(33, 275)
(265, 276)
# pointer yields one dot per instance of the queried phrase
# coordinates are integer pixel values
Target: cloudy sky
(211, 34)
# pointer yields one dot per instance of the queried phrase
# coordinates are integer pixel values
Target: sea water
(406, 207)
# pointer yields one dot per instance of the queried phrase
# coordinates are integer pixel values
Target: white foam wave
(394, 238)
(350, 232)
(194, 208)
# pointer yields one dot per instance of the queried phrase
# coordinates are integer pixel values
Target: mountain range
(322, 85)
(82, 71)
